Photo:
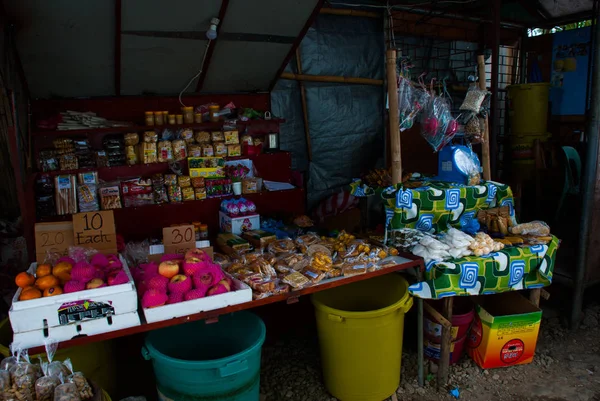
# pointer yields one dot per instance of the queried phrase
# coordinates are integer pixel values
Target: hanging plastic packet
(83, 387)
(6, 392)
(407, 108)
(66, 391)
(54, 368)
(45, 386)
(23, 376)
(437, 125)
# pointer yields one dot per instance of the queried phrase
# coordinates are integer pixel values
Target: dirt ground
(566, 367)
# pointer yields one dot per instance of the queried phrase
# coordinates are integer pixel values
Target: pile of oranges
(47, 282)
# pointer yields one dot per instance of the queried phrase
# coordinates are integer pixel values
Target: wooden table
(412, 262)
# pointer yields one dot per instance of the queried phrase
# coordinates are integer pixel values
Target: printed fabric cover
(513, 268)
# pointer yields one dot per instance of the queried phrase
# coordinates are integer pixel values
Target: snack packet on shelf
(534, 228)
(353, 269)
(296, 280)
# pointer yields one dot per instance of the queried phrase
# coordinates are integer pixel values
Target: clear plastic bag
(23, 376)
(45, 386)
(54, 368)
(437, 125)
(5, 386)
(474, 99)
(66, 392)
(87, 195)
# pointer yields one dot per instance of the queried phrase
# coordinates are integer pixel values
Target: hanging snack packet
(45, 386)
(77, 378)
(54, 368)
(23, 376)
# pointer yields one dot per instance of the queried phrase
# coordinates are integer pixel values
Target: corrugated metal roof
(67, 47)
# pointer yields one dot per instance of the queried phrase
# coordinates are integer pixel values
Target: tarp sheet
(346, 121)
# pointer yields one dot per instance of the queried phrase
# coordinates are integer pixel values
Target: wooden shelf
(212, 316)
(142, 128)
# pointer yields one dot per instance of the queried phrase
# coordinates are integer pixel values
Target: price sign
(179, 239)
(52, 238)
(95, 230)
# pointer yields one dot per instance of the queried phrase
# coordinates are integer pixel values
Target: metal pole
(589, 179)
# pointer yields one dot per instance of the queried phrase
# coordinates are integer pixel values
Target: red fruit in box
(180, 283)
(99, 260)
(73, 286)
(175, 297)
(192, 265)
(153, 298)
(158, 283)
(114, 262)
(95, 283)
(118, 277)
(198, 254)
(217, 289)
(168, 268)
(195, 294)
(83, 271)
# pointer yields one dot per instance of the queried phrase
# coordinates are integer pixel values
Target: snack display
(65, 194)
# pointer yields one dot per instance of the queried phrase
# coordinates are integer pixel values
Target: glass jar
(165, 117)
(158, 118)
(203, 230)
(213, 112)
(188, 115)
(198, 118)
(149, 118)
(171, 119)
(179, 118)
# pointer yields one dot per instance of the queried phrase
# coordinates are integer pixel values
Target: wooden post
(534, 296)
(485, 146)
(392, 87)
(446, 344)
(304, 108)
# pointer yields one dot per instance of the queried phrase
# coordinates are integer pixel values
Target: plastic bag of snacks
(23, 376)
(66, 392)
(45, 386)
(165, 151)
(87, 195)
(179, 150)
(437, 125)
(77, 378)
(54, 368)
(473, 99)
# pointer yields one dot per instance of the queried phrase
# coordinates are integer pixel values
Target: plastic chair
(572, 177)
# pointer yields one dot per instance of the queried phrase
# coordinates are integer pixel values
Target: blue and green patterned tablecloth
(513, 268)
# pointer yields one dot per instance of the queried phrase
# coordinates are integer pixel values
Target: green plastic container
(199, 361)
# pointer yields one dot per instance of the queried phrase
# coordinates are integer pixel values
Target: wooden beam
(394, 117)
(296, 44)
(211, 46)
(534, 296)
(118, 27)
(437, 316)
(349, 13)
(485, 146)
(331, 79)
(446, 344)
(304, 108)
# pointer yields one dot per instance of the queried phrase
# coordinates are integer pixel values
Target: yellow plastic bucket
(95, 360)
(521, 147)
(528, 107)
(360, 328)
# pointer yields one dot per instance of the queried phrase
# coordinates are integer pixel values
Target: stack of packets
(275, 266)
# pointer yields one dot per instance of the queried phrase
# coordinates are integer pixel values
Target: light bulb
(211, 34)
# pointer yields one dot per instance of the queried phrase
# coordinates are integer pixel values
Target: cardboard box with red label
(505, 330)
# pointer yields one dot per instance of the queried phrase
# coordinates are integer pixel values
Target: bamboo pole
(331, 79)
(350, 13)
(304, 108)
(446, 344)
(392, 87)
(485, 146)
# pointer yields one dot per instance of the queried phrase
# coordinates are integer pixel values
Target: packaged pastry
(87, 197)
(233, 241)
(202, 137)
(234, 150)
(68, 162)
(147, 152)
(260, 283)
(179, 150)
(187, 135)
(175, 194)
(61, 143)
(194, 150)
(170, 179)
(208, 150)
(246, 140)
(304, 241)
(217, 136)
(231, 137)
(197, 182)
(296, 280)
(249, 186)
(536, 228)
(65, 194)
(165, 151)
(137, 192)
(281, 246)
(315, 276)
(320, 261)
(353, 269)
(110, 197)
(88, 177)
(131, 155)
(158, 189)
(184, 181)
(131, 139)
(200, 193)
(220, 149)
(334, 273)
(150, 137)
(101, 159)
(259, 238)
(188, 194)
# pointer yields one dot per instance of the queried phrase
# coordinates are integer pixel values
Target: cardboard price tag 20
(95, 230)
(179, 239)
(52, 238)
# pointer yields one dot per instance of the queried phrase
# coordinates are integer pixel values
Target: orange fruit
(24, 279)
(62, 270)
(43, 269)
(43, 283)
(30, 293)
(52, 291)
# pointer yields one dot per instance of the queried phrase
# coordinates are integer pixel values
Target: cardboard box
(505, 330)
(232, 241)
(237, 225)
(259, 238)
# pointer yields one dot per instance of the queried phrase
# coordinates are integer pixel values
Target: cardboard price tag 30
(52, 238)
(179, 239)
(95, 230)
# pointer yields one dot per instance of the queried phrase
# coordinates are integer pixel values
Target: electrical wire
(197, 75)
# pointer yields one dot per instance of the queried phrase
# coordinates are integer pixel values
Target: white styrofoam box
(59, 310)
(242, 294)
(160, 249)
(237, 225)
(35, 338)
